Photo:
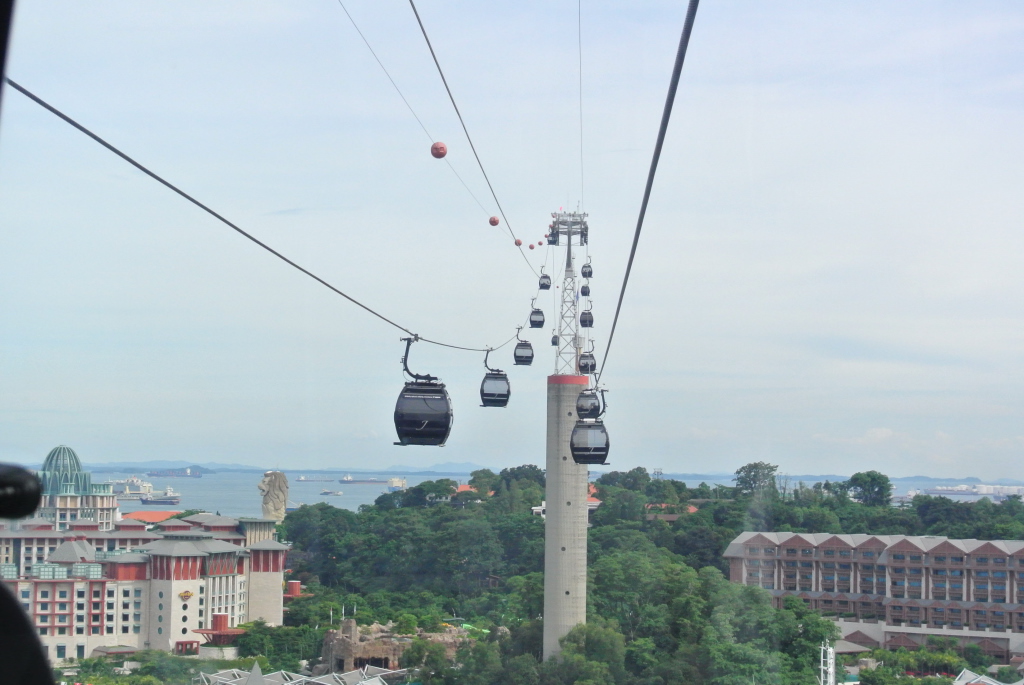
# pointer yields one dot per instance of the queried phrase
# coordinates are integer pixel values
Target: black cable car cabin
(423, 414)
(588, 363)
(545, 282)
(588, 405)
(587, 271)
(537, 318)
(586, 320)
(554, 341)
(585, 290)
(589, 442)
(523, 354)
(495, 389)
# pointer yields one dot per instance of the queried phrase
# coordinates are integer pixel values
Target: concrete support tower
(565, 532)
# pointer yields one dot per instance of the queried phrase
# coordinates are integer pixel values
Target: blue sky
(829, 277)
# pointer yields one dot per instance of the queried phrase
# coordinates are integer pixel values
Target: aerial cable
(222, 219)
(684, 40)
(579, 45)
(408, 105)
(465, 130)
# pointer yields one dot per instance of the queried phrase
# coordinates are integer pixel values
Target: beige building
(894, 590)
(142, 589)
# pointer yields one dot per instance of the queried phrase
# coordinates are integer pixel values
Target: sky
(829, 276)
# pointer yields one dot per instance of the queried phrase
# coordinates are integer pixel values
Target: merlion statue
(274, 488)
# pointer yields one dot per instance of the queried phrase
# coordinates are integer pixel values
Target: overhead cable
(684, 40)
(222, 219)
(407, 104)
(465, 130)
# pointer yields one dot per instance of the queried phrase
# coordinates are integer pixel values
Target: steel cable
(53, 110)
(684, 40)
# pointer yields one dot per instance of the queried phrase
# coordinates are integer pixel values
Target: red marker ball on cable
(493, 221)
(531, 246)
(518, 242)
(439, 150)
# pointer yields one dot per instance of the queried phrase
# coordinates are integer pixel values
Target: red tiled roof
(150, 516)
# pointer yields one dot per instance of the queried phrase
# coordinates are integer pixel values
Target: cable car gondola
(554, 341)
(588, 363)
(545, 282)
(585, 290)
(586, 319)
(537, 318)
(589, 440)
(587, 271)
(495, 389)
(523, 352)
(588, 405)
(423, 413)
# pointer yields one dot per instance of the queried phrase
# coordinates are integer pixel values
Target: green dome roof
(62, 473)
(62, 459)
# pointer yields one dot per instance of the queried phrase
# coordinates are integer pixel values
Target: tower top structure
(568, 229)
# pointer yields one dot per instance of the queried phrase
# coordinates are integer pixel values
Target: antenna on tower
(568, 228)
(827, 668)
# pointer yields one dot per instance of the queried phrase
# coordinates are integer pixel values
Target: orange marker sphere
(518, 242)
(439, 150)
(494, 221)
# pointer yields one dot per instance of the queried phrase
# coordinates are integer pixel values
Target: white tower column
(565, 532)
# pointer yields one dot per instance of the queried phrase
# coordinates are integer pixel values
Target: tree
(871, 488)
(483, 481)
(406, 625)
(756, 478)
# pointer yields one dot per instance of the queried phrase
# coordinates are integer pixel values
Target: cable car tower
(566, 489)
(565, 227)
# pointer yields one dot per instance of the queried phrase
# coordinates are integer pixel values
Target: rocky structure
(353, 647)
(274, 489)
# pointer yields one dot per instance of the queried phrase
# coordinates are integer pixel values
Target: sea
(236, 494)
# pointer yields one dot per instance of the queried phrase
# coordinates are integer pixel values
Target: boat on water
(131, 488)
(331, 493)
(314, 479)
(397, 484)
(168, 496)
(366, 481)
(176, 473)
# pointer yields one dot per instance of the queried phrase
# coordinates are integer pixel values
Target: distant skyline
(829, 277)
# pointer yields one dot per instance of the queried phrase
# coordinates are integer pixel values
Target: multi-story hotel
(88, 587)
(894, 590)
(69, 493)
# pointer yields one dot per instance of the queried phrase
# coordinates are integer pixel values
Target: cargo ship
(132, 488)
(168, 496)
(176, 473)
(366, 481)
(314, 479)
(332, 493)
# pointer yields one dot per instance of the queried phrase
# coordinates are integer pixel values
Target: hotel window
(138, 591)
(124, 606)
(897, 609)
(110, 606)
(845, 577)
(769, 551)
(899, 571)
(805, 564)
(44, 594)
(44, 606)
(898, 557)
(828, 564)
(95, 594)
(940, 585)
(753, 562)
(753, 574)
(791, 574)
(753, 550)
(956, 586)
(95, 618)
(62, 594)
(110, 592)
(981, 560)
(939, 572)
(999, 574)
(110, 630)
(27, 594)
(124, 629)
(844, 553)
(939, 560)
(981, 586)
(80, 618)
(955, 572)
(44, 619)
(828, 576)
(136, 605)
(981, 574)
(807, 551)
(998, 560)
(844, 567)
(79, 630)
(80, 594)
(136, 629)
(868, 555)
(866, 579)
(62, 618)
(915, 557)
(915, 571)
(999, 586)
(830, 552)
(957, 560)
(124, 618)
(95, 606)
(44, 631)
(790, 551)
(867, 567)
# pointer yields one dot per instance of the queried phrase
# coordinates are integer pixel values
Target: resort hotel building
(894, 591)
(91, 588)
